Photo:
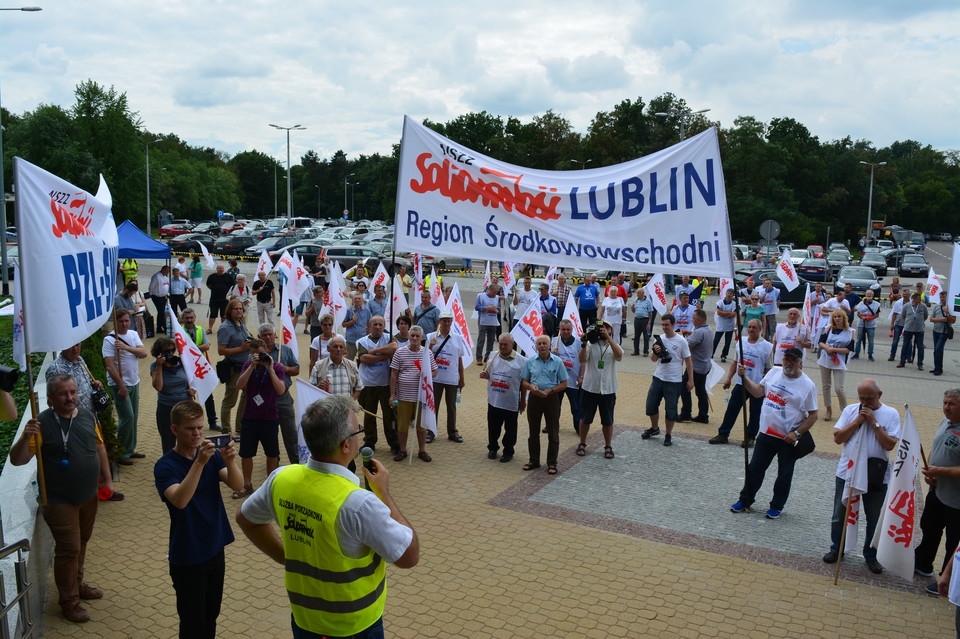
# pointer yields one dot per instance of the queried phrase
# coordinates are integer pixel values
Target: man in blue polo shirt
(586, 296)
(545, 377)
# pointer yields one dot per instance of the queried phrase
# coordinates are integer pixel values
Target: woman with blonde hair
(836, 343)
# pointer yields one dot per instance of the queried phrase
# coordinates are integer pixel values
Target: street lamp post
(317, 186)
(870, 201)
(583, 164)
(147, 152)
(353, 196)
(346, 183)
(295, 127)
(684, 115)
(3, 190)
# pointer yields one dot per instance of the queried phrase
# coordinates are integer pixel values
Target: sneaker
(747, 443)
(90, 592)
(931, 589)
(650, 432)
(831, 557)
(923, 573)
(871, 358)
(718, 439)
(738, 507)
(667, 440)
(79, 614)
(723, 360)
(855, 357)
(773, 513)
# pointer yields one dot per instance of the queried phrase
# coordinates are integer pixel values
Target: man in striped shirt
(405, 391)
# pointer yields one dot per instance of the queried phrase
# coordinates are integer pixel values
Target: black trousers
(199, 594)
(497, 419)
(700, 388)
(161, 304)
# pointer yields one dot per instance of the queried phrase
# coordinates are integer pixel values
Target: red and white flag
(380, 278)
(806, 318)
(854, 485)
(428, 401)
(307, 394)
(570, 312)
(334, 300)
(417, 272)
(460, 325)
(398, 305)
(725, 283)
(200, 374)
(657, 292)
(786, 271)
(896, 530)
(509, 279)
(933, 285)
(207, 256)
(486, 276)
(286, 325)
(529, 327)
(551, 274)
(436, 289)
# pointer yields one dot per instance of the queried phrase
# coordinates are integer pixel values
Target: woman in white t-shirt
(613, 311)
(836, 342)
(318, 347)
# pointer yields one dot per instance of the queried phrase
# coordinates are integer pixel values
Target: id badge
(600, 364)
(257, 399)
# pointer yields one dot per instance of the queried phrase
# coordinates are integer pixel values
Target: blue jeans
(764, 451)
(872, 505)
(939, 343)
(897, 331)
(373, 632)
(865, 335)
(573, 396)
(733, 411)
(912, 339)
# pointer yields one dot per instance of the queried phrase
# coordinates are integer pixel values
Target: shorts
(196, 282)
(667, 391)
(405, 414)
(300, 307)
(217, 308)
(590, 402)
(259, 431)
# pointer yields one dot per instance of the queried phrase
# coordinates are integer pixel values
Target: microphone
(366, 454)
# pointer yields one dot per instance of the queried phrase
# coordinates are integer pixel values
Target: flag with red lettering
(304, 279)
(933, 285)
(307, 394)
(725, 283)
(264, 263)
(854, 485)
(786, 272)
(68, 258)
(287, 267)
(551, 274)
(398, 305)
(806, 317)
(657, 292)
(460, 325)
(334, 299)
(207, 256)
(529, 327)
(570, 312)
(380, 278)
(436, 289)
(200, 374)
(509, 279)
(895, 534)
(286, 326)
(417, 272)
(428, 401)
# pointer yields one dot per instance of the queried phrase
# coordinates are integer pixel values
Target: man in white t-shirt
(756, 358)
(789, 410)
(121, 349)
(504, 399)
(868, 430)
(448, 349)
(789, 335)
(896, 322)
(670, 353)
(726, 322)
(683, 315)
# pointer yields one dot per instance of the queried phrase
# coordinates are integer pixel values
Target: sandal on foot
(551, 470)
(424, 456)
(607, 452)
(581, 450)
(400, 456)
(530, 466)
(240, 494)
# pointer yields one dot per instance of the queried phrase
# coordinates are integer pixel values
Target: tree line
(773, 170)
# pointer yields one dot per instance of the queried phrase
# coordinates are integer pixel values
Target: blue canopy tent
(134, 243)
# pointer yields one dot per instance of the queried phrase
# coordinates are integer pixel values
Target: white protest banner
(380, 278)
(68, 258)
(529, 327)
(200, 374)
(953, 284)
(206, 256)
(895, 532)
(933, 286)
(19, 349)
(657, 292)
(786, 271)
(572, 313)
(398, 305)
(460, 325)
(664, 212)
(307, 394)
(428, 401)
(436, 289)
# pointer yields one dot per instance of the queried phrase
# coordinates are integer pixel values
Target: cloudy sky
(216, 72)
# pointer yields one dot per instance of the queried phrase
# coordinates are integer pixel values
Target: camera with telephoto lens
(664, 354)
(263, 358)
(8, 378)
(593, 333)
(173, 360)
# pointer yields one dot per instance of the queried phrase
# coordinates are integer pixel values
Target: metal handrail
(23, 589)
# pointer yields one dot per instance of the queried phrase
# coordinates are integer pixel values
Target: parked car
(274, 243)
(837, 260)
(234, 244)
(816, 250)
(348, 255)
(885, 244)
(814, 269)
(943, 237)
(173, 230)
(797, 256)
(787, 298)
(309, 250)
(229, 227)
(860, 278)
(836, 246)
(913, 266)
(895, 256)
(875, 261)
(190, 242)
(207, 228)
(742, 252)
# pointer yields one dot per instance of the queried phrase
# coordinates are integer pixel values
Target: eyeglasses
(359, 432)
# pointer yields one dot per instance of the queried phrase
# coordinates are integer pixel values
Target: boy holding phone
(188, 479)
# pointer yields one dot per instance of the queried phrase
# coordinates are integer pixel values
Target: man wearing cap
(448, 350)
(756, 359)
(789, 410)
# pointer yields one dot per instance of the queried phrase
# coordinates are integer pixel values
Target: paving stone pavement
(638, 546)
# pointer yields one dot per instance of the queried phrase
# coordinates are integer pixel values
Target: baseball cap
(446, 315)
(793, 352)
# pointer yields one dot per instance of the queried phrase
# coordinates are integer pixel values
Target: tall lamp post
(346, 183)
(295, 127)
(353, 197)
(683, 115)
(147, 151)
(870, 201)
(3, 190)
(317, 187)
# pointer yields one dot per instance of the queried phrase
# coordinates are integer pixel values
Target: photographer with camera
(263, 381)
(670, 352)
(599, 354)
(170, 381)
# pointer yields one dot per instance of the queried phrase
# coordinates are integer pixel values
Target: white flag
(570, 312)
(806, 318)
(19, 351)
(200, 374)
(786, 271)
(417, 273)
(460, 325)
(486, 276)
(428, 401)
(304, 280)
(529, 327)
(509, 279)
(551, 274)
(855, 485)
(894, 536)
(933, 286)
(307, 394)
(657, 292)
(286, 267)
(286, 325)
(436, 290)
(334, 300)
(398, 305)
(207, 256)
(715, 375)
(725, 283)
(380, 278)
(68, 258)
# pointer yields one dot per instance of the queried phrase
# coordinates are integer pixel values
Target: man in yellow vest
(129, 269)
(335, 538)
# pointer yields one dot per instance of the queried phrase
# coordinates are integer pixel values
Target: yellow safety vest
(330, 594)
(129, 269)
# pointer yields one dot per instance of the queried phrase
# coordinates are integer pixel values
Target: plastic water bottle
(458, 397)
